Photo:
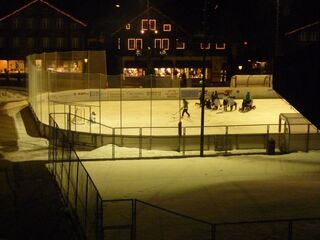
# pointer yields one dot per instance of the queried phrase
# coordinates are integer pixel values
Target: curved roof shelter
(296, 123)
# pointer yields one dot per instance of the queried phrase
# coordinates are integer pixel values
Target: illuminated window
(128, 26)
(135, 43)
(167, 27)
(119, 43)
(220, 46)
(153, 25)
(157, 43)
(205, 46)
(138, 43)
(131, 44)
(165, 44)
(161, 43)
(144, 24)
(180, 45)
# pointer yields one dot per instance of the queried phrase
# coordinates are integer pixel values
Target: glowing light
(155, 31)
(240, 67)
(117, 5)
(142, 31)
(85, 60)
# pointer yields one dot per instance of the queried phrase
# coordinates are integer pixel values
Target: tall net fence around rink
(101, 109)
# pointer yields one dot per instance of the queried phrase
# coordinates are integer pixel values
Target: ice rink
(164, 116)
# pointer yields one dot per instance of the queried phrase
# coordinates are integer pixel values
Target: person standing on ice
(185, 107)
(93, 117)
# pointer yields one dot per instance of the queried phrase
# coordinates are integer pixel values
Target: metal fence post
(184, 142)
(113, 143)
(86, 205)
(140, 142)
(213, 232)
(226, 141)
(134, 220)
(290, 230)
(308, 138)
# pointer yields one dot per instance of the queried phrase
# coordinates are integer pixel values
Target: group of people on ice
(228, 102)
(214, 103)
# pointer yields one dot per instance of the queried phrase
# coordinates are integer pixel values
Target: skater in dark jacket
(185, 107)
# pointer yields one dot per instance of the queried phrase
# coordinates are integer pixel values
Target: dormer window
(167, 27)
(128, 26)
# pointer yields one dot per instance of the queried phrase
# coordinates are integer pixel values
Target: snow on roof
(49, 5)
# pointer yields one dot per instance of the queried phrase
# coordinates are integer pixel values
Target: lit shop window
(167, 27)
(163, 72)
(195, 72)
(15, 66)
(128, 26)
(220, 46)
(205, 45)
(133, 72)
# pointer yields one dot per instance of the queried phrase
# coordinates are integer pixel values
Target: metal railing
(75, 183)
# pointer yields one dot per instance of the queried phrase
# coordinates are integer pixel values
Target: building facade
(153, 43)
(35, 28)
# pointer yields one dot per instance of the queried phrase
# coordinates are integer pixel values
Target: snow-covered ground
(216, 189)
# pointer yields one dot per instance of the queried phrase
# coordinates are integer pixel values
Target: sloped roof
(49, 5)
(299, 29)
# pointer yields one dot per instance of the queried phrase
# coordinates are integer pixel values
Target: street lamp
(203, 84)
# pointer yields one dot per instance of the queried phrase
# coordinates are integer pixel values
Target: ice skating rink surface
(164, 115)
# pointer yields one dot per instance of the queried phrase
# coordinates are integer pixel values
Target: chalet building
(37, 27)
(153, 43)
